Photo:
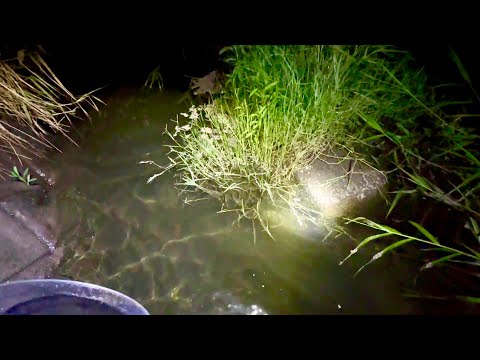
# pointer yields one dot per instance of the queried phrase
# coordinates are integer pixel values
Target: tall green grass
(435, 157)
(282, 107)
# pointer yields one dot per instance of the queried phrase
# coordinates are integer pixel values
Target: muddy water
(140, 239)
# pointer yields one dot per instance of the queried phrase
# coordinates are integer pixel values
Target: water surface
(140, 239)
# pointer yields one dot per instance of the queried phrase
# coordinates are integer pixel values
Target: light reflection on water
(173, 258)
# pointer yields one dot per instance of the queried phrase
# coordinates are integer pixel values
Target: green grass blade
(439, 261)
(225, 49)
(385, 251)
(425, 232)
(398, 195)
(363, 243)
(371, 122)
(254, 92)
(420, 181)
(463, 71)
(461, 68)
(366, 222)
(471, 157)
(467, 181)
(392, 246)
(268, 87)
(476, 253)
(389, 229)
(470, 299)
(475, 227)
(472, 263)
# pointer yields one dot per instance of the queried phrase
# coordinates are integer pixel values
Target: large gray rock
(332, 186)
(338, 183)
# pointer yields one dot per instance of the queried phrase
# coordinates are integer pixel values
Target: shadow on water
(140, 239)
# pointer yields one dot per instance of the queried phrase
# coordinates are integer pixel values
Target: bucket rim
(81, 284)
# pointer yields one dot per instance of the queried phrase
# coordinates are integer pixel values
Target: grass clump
(436, 158)
(34, 102)
(281, 108)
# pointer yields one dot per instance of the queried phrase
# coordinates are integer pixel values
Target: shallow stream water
(140, 239)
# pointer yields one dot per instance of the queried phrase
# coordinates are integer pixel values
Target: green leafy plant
(25, 177)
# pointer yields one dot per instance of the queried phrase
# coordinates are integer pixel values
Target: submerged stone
(332, 186)
(337, 183)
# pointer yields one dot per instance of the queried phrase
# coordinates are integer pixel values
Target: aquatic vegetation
(280, 109)
(155, 79)
(25, 177)
(33, 101)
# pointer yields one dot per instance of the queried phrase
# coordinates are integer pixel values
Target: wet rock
(338, 183)
(334, 185)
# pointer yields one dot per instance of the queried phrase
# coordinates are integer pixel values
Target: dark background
(92, 44)
(83, 67)
(89, 63)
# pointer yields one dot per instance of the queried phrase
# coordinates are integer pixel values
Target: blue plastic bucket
(64, 297)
